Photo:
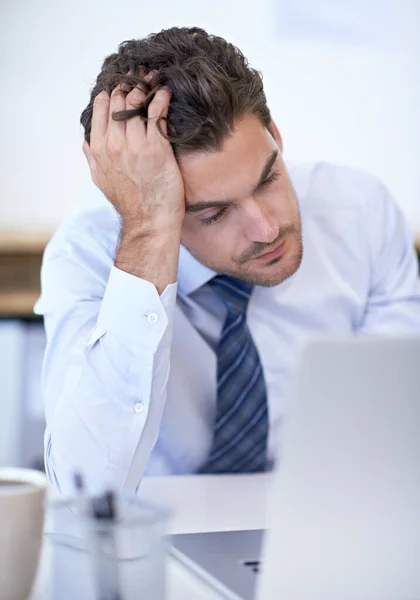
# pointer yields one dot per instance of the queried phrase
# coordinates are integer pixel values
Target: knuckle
(159, 105)
(118, 91)
(154, 114)
(113, 150)
(94, 148)
(136, 91)
(157, 154)
(101, 97)
(152, 118)
(125, 87)
(135, 97)
(163, 95)
(133, 150)
(155, 108)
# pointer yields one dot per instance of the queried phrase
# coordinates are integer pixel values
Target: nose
(260, 225)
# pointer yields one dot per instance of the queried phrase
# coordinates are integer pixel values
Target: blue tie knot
(234, 292)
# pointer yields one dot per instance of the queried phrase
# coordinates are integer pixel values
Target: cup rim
(156, 512)
(33, 481)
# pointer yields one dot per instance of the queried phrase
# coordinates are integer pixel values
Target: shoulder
(79, 257)
(91, 230)
(327, 186)
(346, 212)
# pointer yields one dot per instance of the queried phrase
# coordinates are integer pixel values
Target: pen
(101, 536)
(105, 556)
(81, 499)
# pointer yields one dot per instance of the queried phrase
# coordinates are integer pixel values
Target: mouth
(276, 253)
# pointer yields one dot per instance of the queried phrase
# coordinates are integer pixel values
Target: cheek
(281, 199)
(291, 205)
(212, 243)
(196, 236)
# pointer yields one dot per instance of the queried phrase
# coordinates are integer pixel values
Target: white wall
(342, 79)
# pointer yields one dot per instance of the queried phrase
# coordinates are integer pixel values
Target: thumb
(89, 156)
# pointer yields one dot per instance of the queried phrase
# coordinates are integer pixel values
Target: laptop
(345, 503)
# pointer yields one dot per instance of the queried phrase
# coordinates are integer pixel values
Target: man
(175, 308)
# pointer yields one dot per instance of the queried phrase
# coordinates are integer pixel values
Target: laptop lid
(345, 508)
(228, 561)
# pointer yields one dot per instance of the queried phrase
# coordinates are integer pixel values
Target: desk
(199, 503)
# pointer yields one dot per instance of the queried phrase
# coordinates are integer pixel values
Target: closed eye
(271, 179)
(261, 186)
(214, 218)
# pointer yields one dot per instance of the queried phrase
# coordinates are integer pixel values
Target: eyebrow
(194, 208)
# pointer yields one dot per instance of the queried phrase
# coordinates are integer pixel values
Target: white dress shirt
(129, 377)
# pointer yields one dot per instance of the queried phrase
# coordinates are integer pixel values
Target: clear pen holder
(95, 559)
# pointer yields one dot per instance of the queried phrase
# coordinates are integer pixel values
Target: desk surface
(207, 503)
(211, 502)
(199, 503)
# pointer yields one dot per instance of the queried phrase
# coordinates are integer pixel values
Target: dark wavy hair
(211, 82)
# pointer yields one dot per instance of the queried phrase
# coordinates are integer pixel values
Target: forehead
(234, 170)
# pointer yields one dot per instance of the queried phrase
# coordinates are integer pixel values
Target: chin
(276, 271)
(267, 274)
(266, 278)
(273, 273)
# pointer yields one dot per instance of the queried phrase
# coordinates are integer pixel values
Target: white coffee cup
(22, 493)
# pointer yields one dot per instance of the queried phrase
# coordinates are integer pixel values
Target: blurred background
(342, 79)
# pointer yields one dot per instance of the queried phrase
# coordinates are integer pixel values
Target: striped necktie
(241, 424)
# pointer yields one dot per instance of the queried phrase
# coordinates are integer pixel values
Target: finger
(135, 127)
(116, 129)
(158, 108)
(99, 124)
(149, 76)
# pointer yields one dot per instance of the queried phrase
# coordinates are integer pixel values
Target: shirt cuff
(132, 308)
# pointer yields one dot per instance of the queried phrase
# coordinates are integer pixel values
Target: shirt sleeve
(393, 306)
(105, 368)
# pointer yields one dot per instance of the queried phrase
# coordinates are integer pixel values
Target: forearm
(105, 394)
(108, 418)
(150, 251)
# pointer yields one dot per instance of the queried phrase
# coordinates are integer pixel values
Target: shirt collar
(191, 273)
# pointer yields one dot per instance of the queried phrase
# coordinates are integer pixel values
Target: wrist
(154, 233)
(150, 253)
(157, 225)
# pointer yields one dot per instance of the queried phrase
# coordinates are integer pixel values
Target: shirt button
(152, 317)
(138, 407)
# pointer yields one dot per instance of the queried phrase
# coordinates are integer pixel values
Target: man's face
(242, 216)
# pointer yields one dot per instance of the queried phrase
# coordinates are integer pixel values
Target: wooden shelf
(18, 304)
(23, 241)
(20, 263)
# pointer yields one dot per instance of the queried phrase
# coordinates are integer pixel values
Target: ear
(272, 128)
